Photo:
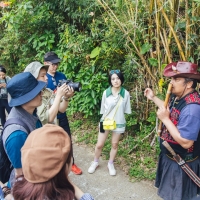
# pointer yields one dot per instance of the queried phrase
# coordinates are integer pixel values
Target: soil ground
(102, 186)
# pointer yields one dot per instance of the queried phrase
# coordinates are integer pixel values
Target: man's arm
(184, 134)
(150, 95)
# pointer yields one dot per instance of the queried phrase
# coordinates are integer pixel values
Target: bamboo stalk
(131, 11)
(172, 19)
(187, 31)
(164, 44)
(126, 3)
(116, 20)
(167, 46)
(136, 14)
(165, 104)
(158, 38)
(173, 32)
(151, 5)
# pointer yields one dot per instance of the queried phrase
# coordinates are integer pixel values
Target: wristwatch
(65, 98)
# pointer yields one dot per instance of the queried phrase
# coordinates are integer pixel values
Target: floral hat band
(182, 69)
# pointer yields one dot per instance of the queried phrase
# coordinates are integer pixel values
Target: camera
(76, 86)
(3, 96)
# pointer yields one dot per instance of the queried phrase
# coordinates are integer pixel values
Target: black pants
(64, 123)
(4, 107)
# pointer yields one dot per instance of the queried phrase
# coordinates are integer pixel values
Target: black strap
(15, 121)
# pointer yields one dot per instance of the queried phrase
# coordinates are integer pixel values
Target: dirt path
(102, 186)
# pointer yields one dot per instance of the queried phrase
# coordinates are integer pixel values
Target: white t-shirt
(109, 106)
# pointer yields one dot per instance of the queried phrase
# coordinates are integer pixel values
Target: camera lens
(75, 86)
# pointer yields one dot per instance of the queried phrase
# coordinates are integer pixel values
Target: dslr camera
(76, 86)
(3, 96)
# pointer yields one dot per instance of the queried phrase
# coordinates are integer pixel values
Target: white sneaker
(111, 169)
(93, 167)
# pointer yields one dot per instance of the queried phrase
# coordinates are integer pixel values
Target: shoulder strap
(16, 121)
(117, 106)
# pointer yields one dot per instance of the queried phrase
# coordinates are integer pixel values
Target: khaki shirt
(43, 110)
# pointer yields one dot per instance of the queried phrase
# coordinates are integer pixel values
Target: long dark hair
(58, 188)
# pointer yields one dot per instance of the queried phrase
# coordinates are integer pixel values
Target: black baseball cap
(51, 57)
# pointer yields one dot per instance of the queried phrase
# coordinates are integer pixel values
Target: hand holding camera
(76, 86)
(3, 85)
(70, 92)
(3, 96)
(62, 90)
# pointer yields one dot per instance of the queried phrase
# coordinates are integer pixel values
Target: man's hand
(149, 93)
(163, 113)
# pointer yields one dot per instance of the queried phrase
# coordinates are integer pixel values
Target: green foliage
(92, 38)
(145, 48)
(93, 86)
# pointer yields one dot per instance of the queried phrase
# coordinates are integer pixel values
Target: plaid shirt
(86, 196)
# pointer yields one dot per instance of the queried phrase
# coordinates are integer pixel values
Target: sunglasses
(53, 64)
(116, 71)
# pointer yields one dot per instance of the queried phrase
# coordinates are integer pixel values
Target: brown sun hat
(182, 69)
(44, 153)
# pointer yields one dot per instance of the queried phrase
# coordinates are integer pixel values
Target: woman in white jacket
(115, 103)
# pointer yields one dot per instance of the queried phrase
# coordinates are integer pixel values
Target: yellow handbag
(110, 124)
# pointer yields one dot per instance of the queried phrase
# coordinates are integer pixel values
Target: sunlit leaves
(145, 48)
(153, 62)
(95, 52)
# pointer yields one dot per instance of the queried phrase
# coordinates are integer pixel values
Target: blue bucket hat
(23, 88)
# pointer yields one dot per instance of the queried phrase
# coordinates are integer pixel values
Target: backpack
(5, 164)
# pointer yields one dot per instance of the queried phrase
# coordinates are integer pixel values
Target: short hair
(2, 69)
(119, 74)
(187, 80)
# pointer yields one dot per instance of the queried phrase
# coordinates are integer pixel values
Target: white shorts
(119, 130)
